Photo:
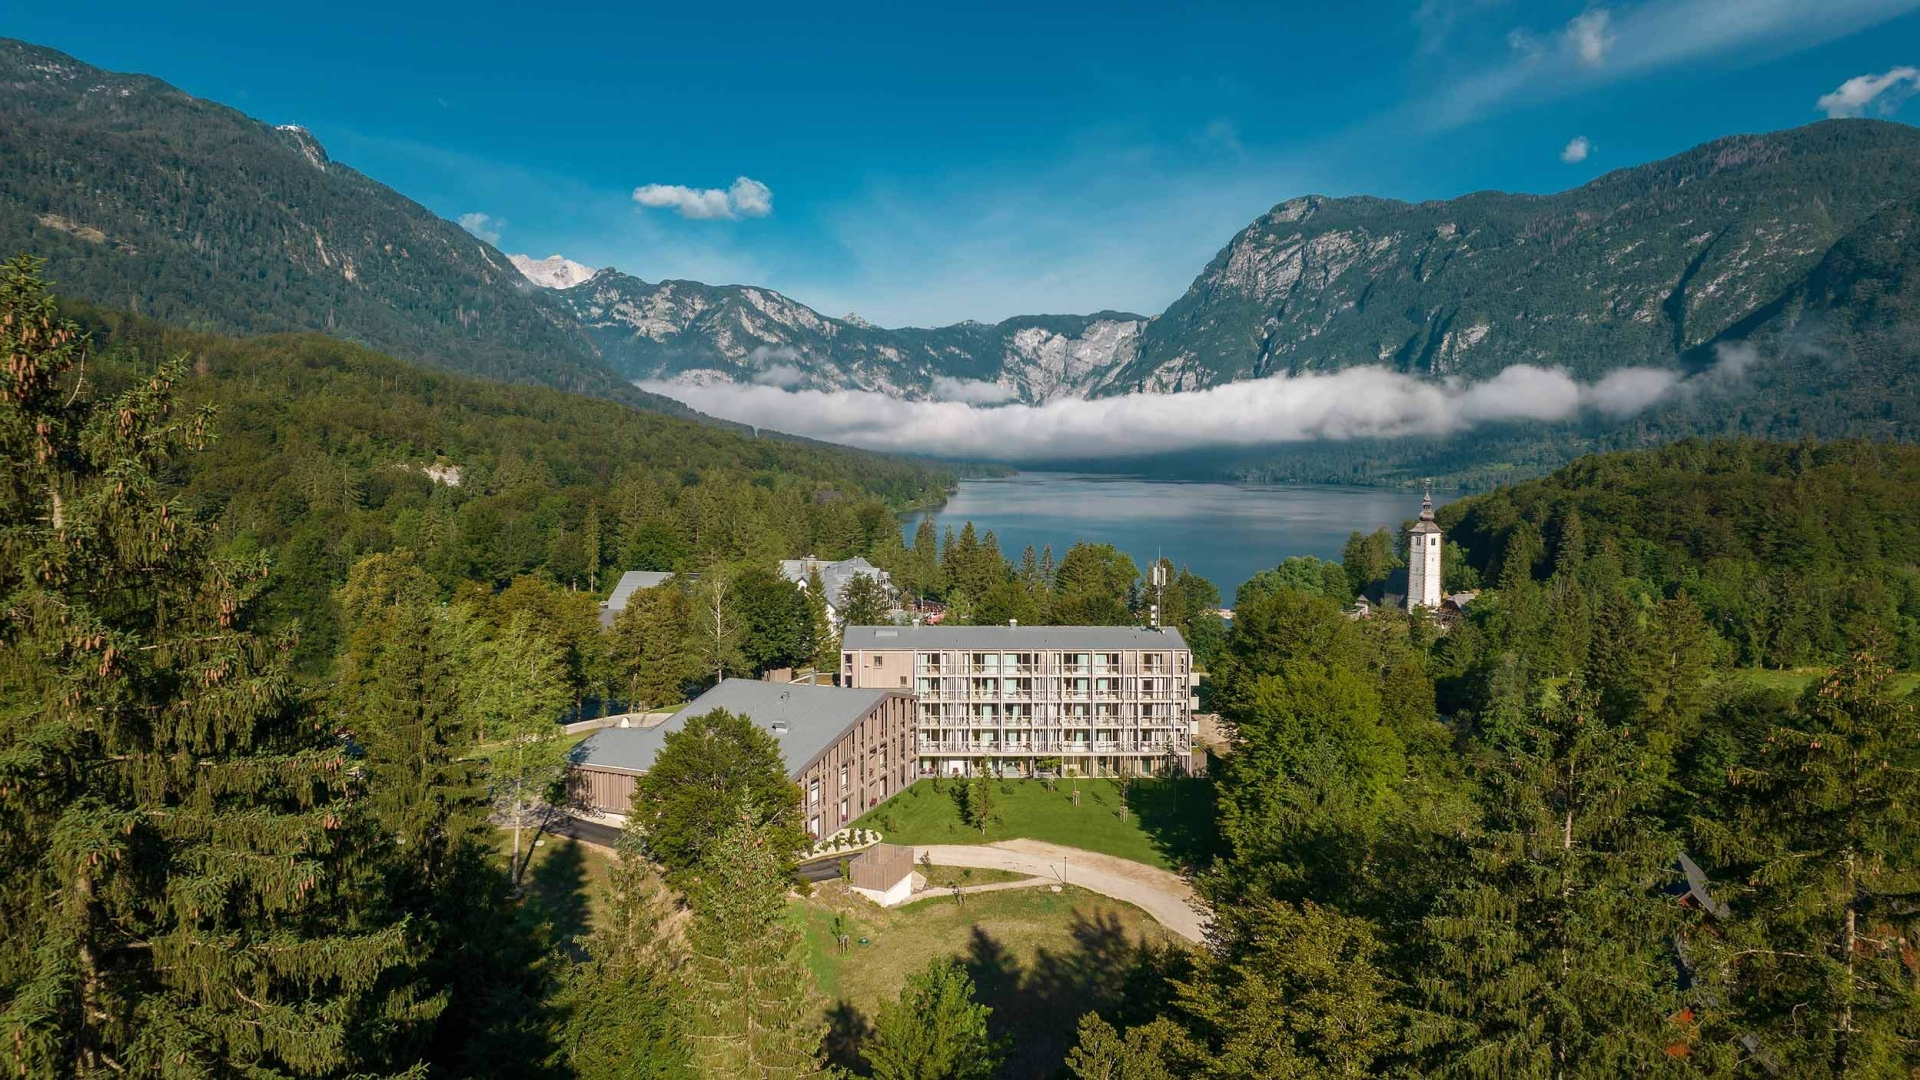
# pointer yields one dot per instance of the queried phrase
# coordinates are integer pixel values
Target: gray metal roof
(630, 582)
(1010, 637)
(814, 718)
(834, 576)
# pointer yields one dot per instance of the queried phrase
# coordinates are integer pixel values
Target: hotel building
(1102, 700)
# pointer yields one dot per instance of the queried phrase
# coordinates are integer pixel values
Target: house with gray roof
(834, 578)
(848, 749)
(630, 582)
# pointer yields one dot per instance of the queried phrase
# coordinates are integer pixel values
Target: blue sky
(921, 165)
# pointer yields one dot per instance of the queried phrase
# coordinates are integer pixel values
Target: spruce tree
(934, 1030)
(618, 1001)
(1552, 956)
(751, 1007)
(1819, 847)
(183, 889)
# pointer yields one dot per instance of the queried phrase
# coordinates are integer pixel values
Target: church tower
(1423, 558)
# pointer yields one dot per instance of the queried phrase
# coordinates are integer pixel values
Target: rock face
(1653, 265)
(1648, 265)
(687, 330)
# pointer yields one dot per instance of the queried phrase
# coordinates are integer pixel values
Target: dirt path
(1165, 896)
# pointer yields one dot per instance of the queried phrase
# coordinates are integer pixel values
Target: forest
(1561, 836)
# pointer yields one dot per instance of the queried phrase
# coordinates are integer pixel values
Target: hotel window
(879, 660)
(843, 774)
(813, 792)
(843, 809)
(813, 826)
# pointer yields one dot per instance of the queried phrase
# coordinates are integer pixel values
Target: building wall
(1423, 571)
(865, 767)
(609, 791)
(1099, 711)
(869, 764)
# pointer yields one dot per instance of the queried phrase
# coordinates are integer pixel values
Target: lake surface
(1225, 532)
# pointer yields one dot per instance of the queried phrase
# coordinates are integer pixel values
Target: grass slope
(1170, 823)
(1039, 958)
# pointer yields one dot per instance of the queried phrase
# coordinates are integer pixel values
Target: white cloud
(1354, 403)
(1577, 150)
(484, 226)
(1589, 38)
(746, 198)
(1882, 93)
(750, 198)
(782, 375)
(970, 391)
(1602, 45)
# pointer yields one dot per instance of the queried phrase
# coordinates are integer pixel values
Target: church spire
(1426, 502)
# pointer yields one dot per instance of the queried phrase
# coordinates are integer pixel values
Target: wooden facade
(870, 762)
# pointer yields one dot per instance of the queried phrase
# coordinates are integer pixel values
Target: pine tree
(934, 1030)
(864, 602)
(1821, 850)
(980, 810)
(648, 645)
(751, 1007)
(1551, 957)
(182, 890)
(620, 1022)
(517, 702)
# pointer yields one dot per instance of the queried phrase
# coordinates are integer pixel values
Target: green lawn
(1040, 958)
(566, 882)
(1169, 824)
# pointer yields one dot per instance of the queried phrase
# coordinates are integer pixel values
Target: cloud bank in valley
(1362, 402)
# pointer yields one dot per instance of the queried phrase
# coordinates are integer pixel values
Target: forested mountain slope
(1790, 549)
(327, 452)
(143, 197)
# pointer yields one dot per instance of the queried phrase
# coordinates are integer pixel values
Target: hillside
(1789, 549)
(686, 329)
(327, 452)
(1645, 265)
(145, 198)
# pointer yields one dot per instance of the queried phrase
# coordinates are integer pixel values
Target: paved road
(1166, 897)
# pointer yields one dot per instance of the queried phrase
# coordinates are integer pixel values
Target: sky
(920, 165)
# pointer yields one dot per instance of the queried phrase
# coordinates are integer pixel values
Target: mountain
(1645, 265)
(687, 330)
(553, 272)
(144, 197)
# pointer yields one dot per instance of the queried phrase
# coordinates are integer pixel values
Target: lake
(1225, 532)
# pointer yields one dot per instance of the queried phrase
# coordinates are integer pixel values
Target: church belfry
(1423, 558)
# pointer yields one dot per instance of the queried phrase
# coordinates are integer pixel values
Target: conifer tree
(980, 810)
(182, 892)
(1820, 847)
(620, 1023)
(934, 1030)
(751, 1007)
(1551, 957)
(648, 646)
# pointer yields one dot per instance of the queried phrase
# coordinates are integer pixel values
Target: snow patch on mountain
(556, 271)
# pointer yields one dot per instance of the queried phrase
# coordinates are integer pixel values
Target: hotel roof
(1010, 637)
(804, 719)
